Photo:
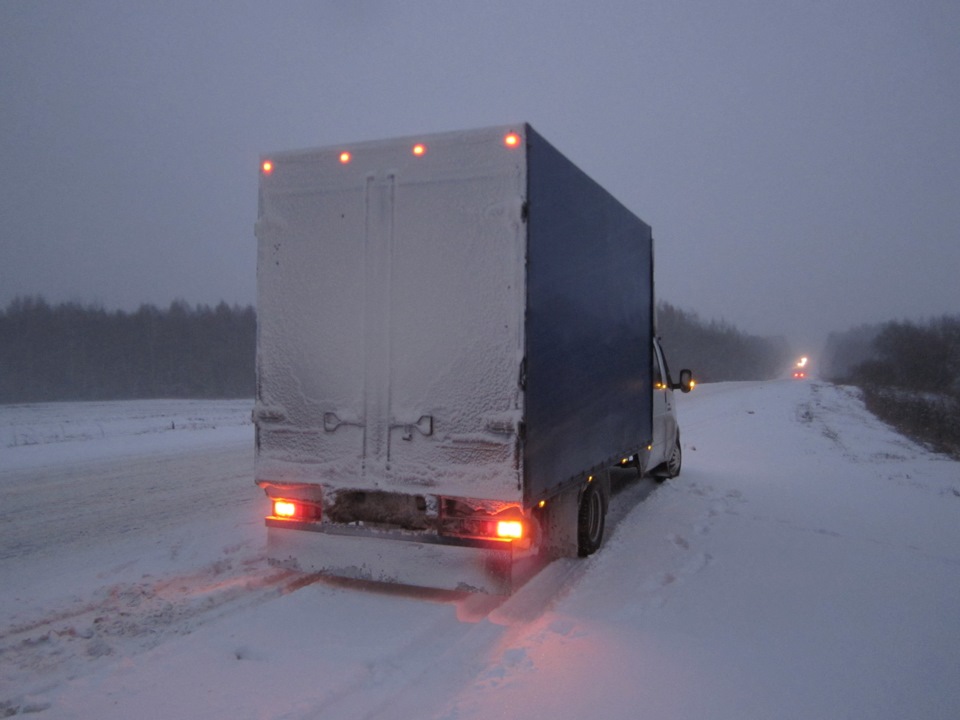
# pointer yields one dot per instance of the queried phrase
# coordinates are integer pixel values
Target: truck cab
(665, 454)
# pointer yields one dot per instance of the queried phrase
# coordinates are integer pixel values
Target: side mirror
(687, 383)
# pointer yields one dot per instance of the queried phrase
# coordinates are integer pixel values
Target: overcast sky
(799, 161)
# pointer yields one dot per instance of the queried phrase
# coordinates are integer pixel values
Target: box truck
(456, 345)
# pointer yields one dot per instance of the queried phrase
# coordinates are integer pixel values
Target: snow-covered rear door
(391, 300)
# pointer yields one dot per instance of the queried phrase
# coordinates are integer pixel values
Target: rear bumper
(401, 558)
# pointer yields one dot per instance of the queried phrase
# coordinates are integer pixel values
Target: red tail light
(295, 510)
(510, 529)
(284, 508)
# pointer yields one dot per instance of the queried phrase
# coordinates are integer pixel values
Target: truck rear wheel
(591, 519)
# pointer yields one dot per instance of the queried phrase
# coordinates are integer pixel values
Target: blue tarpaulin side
(589, 324)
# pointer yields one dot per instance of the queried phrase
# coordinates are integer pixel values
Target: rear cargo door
(400, 363)
(311, 279)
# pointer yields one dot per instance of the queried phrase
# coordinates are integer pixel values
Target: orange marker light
(267, 167)
(419, 149)
(511, 529)
(284, 508)
(511, 140)
(345, 157)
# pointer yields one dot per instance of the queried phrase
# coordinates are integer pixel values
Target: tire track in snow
(74, 536)
(126, 619)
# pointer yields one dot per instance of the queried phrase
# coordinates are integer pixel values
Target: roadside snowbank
(58, 433)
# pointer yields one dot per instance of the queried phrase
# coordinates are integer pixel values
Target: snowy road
(90, 503)
(805, 564)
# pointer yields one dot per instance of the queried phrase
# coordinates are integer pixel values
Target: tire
(671, 468)
(591, 520)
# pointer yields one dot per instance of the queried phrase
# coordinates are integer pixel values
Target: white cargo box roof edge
(478, 134)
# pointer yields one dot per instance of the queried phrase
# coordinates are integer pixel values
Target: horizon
(796, 163)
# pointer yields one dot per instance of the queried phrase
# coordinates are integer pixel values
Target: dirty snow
(805, 564)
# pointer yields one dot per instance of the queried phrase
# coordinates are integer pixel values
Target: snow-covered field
(806, 564)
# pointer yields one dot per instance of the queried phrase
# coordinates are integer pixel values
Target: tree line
(909, 374)
(717, 351)
(69, 352)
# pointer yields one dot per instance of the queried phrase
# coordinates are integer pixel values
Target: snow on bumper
(401, 558)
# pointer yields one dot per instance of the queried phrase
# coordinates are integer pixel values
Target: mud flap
(560, 519)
